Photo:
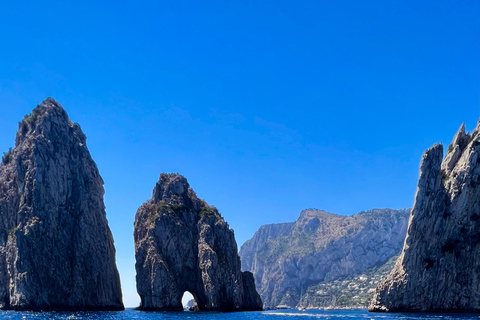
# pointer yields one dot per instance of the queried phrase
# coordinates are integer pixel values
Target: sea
(266, 315)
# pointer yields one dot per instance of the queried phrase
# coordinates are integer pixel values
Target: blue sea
(266, 315)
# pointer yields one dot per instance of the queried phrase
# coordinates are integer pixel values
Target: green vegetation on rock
(32, 117)
(207, 211)
(170, 208)
(11, 231)
(7, 156)
(450, 148)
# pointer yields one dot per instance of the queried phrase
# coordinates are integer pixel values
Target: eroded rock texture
(291, 260)
(56, 249)
(183, 244)
(439, 268)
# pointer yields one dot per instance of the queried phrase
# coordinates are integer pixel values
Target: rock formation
(289, 259)
(56, 250)
(439, 267)
(183, 244)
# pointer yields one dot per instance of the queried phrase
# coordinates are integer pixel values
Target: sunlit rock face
(56, 249)
(291, 261)
(183, 244)
(439, 268)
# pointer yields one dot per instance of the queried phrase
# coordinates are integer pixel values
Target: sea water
(267, 315)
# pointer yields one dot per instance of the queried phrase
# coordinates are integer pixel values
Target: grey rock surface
(56, 249)
(183, 244)
(287, 259)
(439, 267)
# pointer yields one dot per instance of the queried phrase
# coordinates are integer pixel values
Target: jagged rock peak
(43, 119)
(56, 249)
(183, 244)
(172, 186)
(173, 191)
(439, 267)
(455, 149)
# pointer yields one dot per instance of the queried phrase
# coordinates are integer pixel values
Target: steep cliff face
(267, 232)
(287, 259)
(183, 244)
(56, 249)
(439, 268)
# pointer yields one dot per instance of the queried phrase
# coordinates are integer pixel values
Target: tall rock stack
(183, 244)
(56, 249)
(439, 268)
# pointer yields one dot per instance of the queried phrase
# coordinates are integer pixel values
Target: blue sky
(267, 107)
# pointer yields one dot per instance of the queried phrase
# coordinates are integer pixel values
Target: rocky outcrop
(56, 250)
(439, 267)
(183, 244)
(289, 259)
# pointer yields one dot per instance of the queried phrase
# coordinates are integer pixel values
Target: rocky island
(324, 260)
(183, 244)
(56, 249)
(439, 267)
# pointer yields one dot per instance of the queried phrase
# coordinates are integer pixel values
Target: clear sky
(267, 107)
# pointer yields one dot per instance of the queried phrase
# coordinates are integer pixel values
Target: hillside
(288, 260)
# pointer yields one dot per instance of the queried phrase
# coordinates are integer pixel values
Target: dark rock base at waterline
(66, 308)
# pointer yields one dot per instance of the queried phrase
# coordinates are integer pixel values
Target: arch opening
(189, 302)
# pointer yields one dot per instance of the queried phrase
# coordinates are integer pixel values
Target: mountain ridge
(318, 247)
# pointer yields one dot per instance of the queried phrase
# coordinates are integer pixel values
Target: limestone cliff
(439, 268)
(288, 260)
(352, 292)
(56, 249)
(183, 244)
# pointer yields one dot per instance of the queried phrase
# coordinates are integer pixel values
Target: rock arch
(183, 244)
(188, 301)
